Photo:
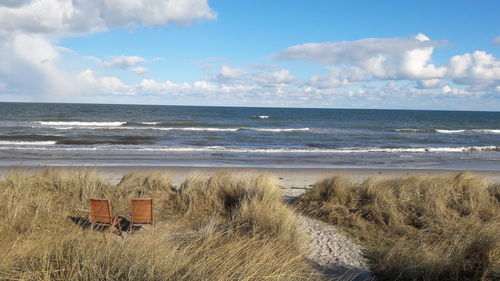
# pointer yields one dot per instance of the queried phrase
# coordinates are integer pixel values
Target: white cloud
(478, 69)
(496, 41)
(210, 93)
(274, 78)
(122, 62)
(76, 16)
(339, 77)
(385, 58)
(167, 87)
(202, 88)
(447, 89)
(33, 70)
(278, 78)
(103, 84)
(29, 30)
(63, 49)
(139, 70)
(429, 83)
(30, 61)
(401, 58)
(394, 94)
(230, 75)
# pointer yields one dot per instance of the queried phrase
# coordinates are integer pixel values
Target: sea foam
(477, 131)
(26, 143)
(207, 129)
(443, 131)
(77, 123)
(222, 149)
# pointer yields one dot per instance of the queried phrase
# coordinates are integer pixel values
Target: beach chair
(100, 214)
(142, 213)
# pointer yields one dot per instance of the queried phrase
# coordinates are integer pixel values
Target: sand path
(333, 253)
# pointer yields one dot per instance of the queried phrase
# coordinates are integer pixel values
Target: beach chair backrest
(100, 210)
(142, 211)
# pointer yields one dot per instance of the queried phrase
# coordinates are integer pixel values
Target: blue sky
(348, 54)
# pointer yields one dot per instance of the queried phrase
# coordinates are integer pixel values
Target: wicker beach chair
(100, 214)
(142, 213)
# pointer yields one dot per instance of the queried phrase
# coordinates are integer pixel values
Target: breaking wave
(477, 131)
(109, 126)
(276, 129)
(27, 143)
(442, 131)
(467, 149)
(77, 123)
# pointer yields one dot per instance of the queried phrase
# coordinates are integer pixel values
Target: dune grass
(251, 204)
(212, 228)
(419, 227)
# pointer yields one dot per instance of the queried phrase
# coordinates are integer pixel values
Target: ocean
(35, 134)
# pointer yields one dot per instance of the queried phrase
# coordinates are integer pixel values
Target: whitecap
(27, 142)
(445, 131)
(78, 123)
(206, 129)
(222, 149)
(277, 129)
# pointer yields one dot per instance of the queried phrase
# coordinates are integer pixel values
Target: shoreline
(293, 180)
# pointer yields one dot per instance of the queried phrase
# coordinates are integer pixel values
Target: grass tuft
(418, 227)
(251, 204)
(243, 231)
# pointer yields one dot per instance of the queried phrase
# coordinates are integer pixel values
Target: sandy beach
(293, 180)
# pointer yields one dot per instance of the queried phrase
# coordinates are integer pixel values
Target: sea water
(99, 134)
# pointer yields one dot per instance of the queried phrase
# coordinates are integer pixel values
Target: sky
(280, 53)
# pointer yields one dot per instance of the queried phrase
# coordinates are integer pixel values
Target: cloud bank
(362, 72)
(29, 30)
(71, 17)
(402, 58)
(388, 58)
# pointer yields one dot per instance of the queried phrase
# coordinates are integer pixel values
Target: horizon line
(237, 106)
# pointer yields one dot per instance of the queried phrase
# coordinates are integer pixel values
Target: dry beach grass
(230, 226)
(215, 228)
(418, 227)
